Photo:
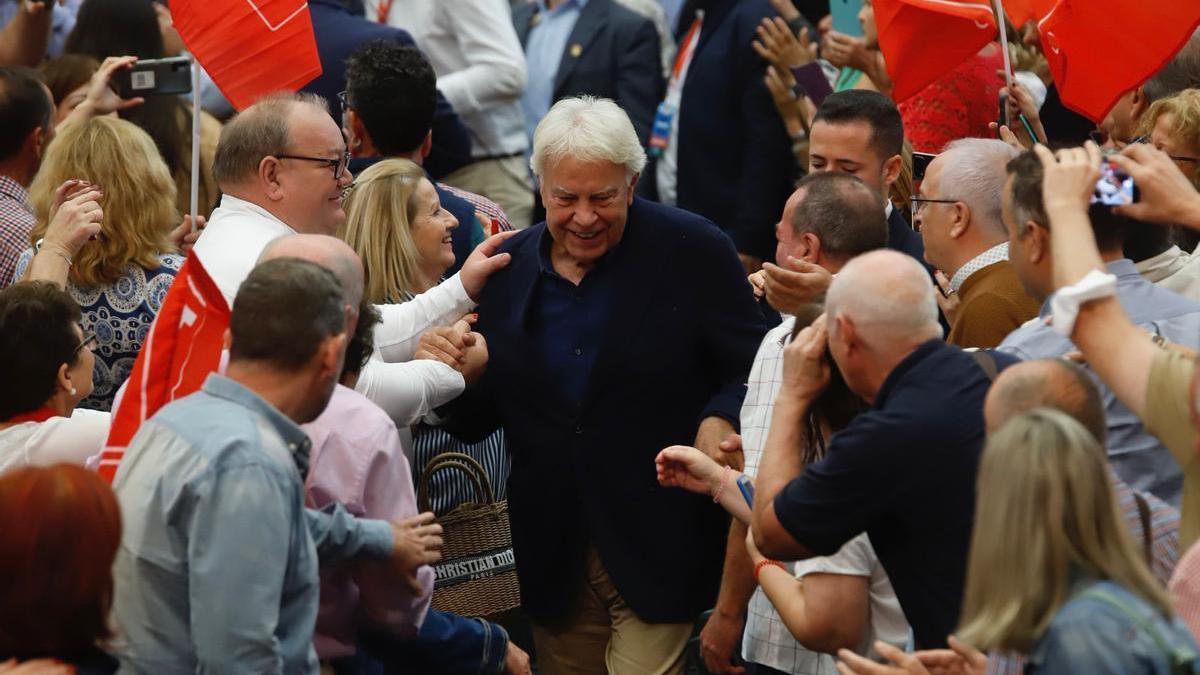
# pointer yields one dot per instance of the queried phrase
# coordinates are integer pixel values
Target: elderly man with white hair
(904, 471)
(620, 327)
(957, 213)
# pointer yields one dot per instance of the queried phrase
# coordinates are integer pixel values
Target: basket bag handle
(462, 462)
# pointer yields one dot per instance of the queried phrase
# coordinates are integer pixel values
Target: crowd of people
(766, 371)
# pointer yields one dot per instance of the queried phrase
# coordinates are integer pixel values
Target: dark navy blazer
(680, 336)
(735, 163)
(339, 34)
(618, 58)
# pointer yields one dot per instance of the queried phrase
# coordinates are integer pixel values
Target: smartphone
(1115, 187)
(921, 162)
(1003, 117)
(156, 77)
(845, 16)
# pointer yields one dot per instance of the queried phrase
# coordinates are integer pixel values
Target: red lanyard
(382, 11)
(688, 45)
(39, 415)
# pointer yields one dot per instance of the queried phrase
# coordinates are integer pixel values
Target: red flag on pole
(250, 47)
(1100, 49)
(183, 347)
(922, 40)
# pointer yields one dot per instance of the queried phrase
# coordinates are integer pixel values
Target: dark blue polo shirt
(904, 473)
(569, 320)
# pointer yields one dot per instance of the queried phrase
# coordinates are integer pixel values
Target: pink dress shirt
(357, 459)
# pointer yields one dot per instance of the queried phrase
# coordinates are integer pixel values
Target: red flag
(183, 347)
(1021, 12)
(922, 40)
(1100, 49)
(250, 47)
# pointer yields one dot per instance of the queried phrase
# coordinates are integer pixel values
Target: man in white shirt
(281, 165)
(480, 65)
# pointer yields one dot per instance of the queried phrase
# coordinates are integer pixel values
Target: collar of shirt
(546, 263)
(562, 6)
(13, 190)
(297, 441)
(993, 255)
(241, 206)
(1164, 265)
(1124, 270)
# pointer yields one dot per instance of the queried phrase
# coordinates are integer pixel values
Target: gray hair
(976, 169)
(843, 212)
(262, 130)
(1181, 72)
(588, 129)
(889, 297)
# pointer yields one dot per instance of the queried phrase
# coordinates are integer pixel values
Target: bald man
(904, 471)
(1054, 383)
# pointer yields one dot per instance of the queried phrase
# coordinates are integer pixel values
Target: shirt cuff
(377, 538)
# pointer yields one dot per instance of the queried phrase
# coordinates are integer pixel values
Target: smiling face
(1165, 137)
(431, 229)
(587, 204)
(308, 194)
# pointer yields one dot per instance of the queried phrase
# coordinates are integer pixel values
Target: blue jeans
(447, 644)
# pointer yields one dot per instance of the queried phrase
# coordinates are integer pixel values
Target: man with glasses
(1121, 126)
(957, 212)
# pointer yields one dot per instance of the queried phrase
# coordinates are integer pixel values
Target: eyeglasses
(343, 100)
(1100, 137)
(338, 165)
(917, 203)
(89, 343)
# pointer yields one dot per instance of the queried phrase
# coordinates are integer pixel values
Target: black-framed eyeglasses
(915, 204)
(337, 165)
(344, 100)
(89, 343)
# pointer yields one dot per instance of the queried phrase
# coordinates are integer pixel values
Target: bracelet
(721, 486)
(764, 563)
(37, 248)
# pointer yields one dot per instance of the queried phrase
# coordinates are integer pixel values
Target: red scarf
(39, 415)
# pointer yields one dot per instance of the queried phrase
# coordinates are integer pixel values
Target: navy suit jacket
(901, 237)
(339, 34)
(677, 348)
(620, 59)
(735, 163)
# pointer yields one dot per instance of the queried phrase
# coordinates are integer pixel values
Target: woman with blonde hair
(120, 277)
(396, 223)
(1053, 573)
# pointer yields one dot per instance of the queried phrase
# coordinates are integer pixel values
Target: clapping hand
(418, 542)
(790, 288)
(780, 47)
(843, 50)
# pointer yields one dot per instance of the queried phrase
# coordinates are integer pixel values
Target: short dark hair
(844, 212)
(24, 106)
(284, 310)
(36, 338)
(872, 107)
(394, 90)
(1026, 203)
(360, 347)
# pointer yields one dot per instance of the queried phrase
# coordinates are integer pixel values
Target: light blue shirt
(1137, 457)
(61, 23)
(544, 49)
(217, 569)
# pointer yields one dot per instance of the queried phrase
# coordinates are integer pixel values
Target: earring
(73, 391)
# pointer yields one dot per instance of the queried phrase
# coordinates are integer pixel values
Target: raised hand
(1167, 196)
(777, 45)
(1070, 176)
(805, 366)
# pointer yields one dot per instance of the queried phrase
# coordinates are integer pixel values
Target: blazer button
(578, 430)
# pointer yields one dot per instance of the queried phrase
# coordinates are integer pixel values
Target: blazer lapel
(525, 17)
(587, 26)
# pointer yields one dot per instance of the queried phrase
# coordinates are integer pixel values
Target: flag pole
(195, 205)
(1003, 43)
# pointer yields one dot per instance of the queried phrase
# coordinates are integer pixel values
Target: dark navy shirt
(904, 473)
(569, 320)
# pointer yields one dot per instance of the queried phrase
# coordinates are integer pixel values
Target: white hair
(588, 129)
(889, 298)
(973, 172)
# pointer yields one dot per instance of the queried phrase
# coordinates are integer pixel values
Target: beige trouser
(605, 636)
(505, 181)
